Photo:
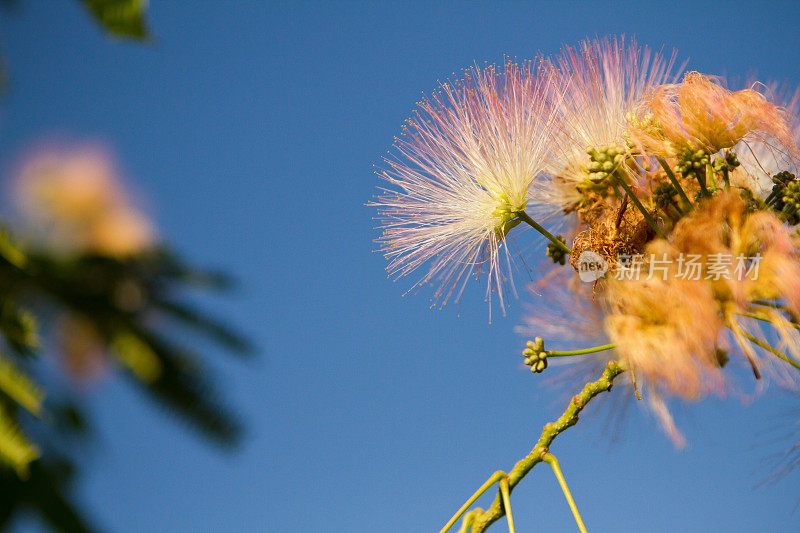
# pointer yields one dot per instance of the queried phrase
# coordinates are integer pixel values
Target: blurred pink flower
(75, 203)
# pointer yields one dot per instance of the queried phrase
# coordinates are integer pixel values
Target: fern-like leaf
(16, 384)
(123, 18)
(15, 449)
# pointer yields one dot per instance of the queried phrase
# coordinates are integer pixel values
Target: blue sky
(251, 129)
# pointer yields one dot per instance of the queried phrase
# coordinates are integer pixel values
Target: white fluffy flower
(461, 173)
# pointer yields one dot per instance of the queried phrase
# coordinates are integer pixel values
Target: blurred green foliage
(136, 309)
(134, 306)
(121, 18)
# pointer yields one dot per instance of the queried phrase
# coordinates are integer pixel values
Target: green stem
(702, 181)
(570, 417)
(771, 197)
(506, 494)
(770, 349)
(674, 180)
(675, 206)
(584, 351)
(737, 329)
(635, 385)
(639, 206)
(553, 462)
(767, 319)
(765, 303)
(788, 211)
(526, 218)
(494, 478)
(710, 176)
(466, 524)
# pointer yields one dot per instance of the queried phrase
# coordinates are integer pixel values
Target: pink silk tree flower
(700, 113)
(461, 175)
(762, 158)
(602, 81)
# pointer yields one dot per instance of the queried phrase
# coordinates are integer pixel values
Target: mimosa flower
(677, 333)
(779, 273)
(76, 204)
(760, 159)
(578, 313)
(563, 309)
(667, 331)
(700, 114)
(463, 171)
(602, 81)
(668, 327)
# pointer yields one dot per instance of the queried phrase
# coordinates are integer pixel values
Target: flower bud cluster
(535, 355)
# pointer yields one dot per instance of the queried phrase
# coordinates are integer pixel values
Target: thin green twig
(763, 318)
(674, 181)
(710, 176)
(584, 351)
(635, 386)
(767, 303)
(772, 196)
(506, 494)
(481, 521)
(494, 478)
(468, 519)
(650, 220)
(550, 459)
(526, 218)
(758, 342)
